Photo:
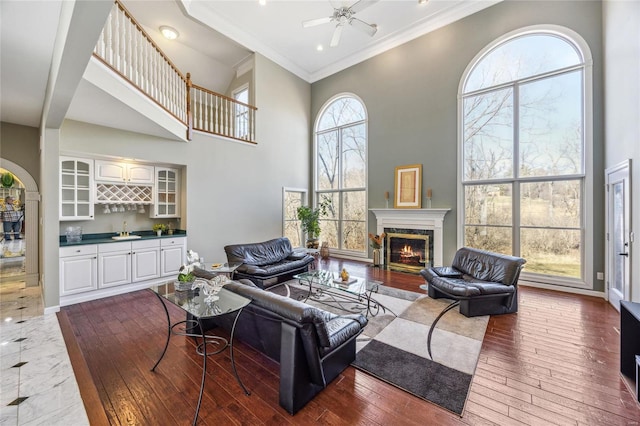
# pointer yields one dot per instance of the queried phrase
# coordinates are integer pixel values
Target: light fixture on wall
(169, 33)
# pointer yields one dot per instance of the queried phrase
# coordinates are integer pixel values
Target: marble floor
(37, 384)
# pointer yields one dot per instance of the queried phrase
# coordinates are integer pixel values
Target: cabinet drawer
(113, 247)
(145, 244)
(168, 242)
(78, 250)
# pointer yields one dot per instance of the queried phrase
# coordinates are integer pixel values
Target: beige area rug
(393, 346)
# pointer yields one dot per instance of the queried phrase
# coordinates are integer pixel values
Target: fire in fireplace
(409, 250)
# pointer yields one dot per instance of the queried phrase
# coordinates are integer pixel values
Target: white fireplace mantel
(428, 219)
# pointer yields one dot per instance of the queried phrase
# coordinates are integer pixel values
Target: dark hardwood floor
(554, 362)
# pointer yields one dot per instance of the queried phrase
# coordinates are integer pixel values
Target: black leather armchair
(267, 263)
(485, 283)
(480, 282)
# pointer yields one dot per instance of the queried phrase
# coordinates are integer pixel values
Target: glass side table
(193, 302)
(226, 268)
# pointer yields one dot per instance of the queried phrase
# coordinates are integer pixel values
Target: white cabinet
(112, 171)
(114, 264)
(173, 253)
(167, 194)
(76, 188)
(91, 271)
(145, 260)
(78, 269)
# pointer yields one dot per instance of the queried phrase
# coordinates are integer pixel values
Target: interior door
(618, 233)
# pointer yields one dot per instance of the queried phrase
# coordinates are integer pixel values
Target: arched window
(341, 173)
(525, 111)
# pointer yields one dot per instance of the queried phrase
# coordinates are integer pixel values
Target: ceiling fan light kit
(345, 15)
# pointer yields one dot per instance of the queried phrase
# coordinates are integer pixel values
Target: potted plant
(159, 228)
(376, 244)
(310, 221)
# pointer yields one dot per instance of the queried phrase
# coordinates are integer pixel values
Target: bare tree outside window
(523, 153)
(341, 146)
(292, 229)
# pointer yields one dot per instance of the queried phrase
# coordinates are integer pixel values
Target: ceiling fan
(345, 15)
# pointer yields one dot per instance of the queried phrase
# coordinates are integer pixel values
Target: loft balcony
(138, 88)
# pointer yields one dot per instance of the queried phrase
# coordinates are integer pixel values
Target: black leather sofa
(485, 283)
(311, 345)
(269, 262)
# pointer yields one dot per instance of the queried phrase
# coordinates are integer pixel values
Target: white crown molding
(428, 24)
(198, 10)
(245, 66)
(458, 10)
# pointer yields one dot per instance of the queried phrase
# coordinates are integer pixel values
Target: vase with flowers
(159, 228)
(376, 245)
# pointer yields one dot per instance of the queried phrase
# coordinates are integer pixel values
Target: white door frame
(619, 171)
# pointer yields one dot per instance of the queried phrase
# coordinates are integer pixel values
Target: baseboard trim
(564, 289)
(52, 310)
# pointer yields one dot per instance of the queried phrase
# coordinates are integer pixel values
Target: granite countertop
(106, 237)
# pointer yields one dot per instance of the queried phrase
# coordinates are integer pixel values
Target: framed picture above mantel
(408, 186)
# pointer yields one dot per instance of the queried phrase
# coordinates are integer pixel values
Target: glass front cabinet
(76, 188)
(166, 200)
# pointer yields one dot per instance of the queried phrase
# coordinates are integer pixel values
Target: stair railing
(126, 48)
(221, 115)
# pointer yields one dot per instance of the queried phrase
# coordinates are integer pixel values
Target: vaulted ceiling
(225, 32)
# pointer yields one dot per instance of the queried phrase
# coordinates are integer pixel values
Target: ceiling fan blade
(314, 22)
(362, 4)
(338, 4)
(360, 25)
(336, 36)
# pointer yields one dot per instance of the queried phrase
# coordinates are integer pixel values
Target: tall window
(523, 154)
(291, 228)
(241, 113)
(341, 173)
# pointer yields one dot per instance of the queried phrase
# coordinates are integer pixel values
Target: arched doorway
(31, 208)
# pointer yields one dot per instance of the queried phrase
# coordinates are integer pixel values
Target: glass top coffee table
(195, 303)
(326, 287)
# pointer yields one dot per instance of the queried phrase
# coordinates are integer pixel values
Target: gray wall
(20, 144)
(622, 103)
(411, 96)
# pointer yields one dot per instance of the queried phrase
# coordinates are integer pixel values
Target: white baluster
(109, 39)
(135, 44)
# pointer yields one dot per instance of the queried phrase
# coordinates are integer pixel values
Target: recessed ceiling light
(319, 48)
(262, 2)
(422, 1)
(169, 33)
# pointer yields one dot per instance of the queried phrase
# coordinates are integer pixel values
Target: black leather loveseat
(269, 262)
(311, 345)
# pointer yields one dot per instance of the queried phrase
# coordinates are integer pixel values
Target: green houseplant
(159, 228)
(310, 220)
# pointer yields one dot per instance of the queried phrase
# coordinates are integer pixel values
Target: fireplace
(408, 250)
(424, 225)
